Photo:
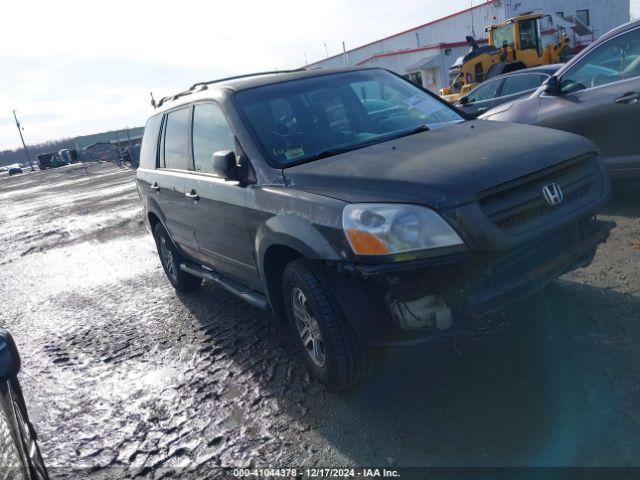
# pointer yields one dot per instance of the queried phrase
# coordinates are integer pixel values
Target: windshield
(503, 36)
(301, 120)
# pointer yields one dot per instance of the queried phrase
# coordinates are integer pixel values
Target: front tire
(171, 259)
(331, 348)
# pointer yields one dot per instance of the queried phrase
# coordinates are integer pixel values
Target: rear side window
(520, 83)
(211, 133)
(176, 140)
(150, 142)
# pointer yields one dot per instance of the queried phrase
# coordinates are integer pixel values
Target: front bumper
(473, 285)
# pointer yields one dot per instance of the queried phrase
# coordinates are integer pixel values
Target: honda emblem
(552, 194)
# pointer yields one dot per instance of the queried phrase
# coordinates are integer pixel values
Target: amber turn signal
(365, 243)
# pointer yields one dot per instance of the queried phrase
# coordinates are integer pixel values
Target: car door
(169, 178)
(218, 205)
(600, 99)
(482, 98)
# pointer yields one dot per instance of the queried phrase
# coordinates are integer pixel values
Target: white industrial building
(425, 53)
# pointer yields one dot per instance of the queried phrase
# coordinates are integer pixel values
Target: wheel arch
(280, 240)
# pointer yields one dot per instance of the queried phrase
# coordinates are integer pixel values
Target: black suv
(361, 208)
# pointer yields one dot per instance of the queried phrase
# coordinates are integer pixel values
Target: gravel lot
(123, 376)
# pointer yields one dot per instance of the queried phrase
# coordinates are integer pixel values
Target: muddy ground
(124, 377)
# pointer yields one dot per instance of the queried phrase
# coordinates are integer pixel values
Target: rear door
(218, 206)
(600, 99)
(169, 179)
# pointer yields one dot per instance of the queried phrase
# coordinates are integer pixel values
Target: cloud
(74, 67)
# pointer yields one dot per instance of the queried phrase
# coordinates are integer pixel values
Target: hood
(439, 168)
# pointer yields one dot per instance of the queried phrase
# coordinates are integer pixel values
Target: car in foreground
(505, 88)
(19, 449)
(596, 94)
(362, 223)
(15, 171)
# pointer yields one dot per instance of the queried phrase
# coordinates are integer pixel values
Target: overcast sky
(78, 67)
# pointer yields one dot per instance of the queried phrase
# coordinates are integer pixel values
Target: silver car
(596, 94)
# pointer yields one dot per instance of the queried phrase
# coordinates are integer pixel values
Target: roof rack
(203, 85)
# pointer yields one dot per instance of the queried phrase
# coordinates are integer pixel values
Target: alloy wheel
(308, 328)
(167, 258)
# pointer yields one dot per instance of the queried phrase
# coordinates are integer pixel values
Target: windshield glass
(305, 119)
(503, 36)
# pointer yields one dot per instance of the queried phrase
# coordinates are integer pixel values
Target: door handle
(192, 195)
(483, 109)
(155, 187)
(631, 97)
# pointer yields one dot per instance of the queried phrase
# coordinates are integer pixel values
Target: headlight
(386, 228)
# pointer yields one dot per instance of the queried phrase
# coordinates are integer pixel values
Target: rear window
(149, 145)
(176, 139)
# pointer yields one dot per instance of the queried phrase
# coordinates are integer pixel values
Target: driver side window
(618, 59)
(484, 92)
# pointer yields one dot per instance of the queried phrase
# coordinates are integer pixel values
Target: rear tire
(171, 259)
(331, 348)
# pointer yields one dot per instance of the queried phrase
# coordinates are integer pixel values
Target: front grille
(519, 205)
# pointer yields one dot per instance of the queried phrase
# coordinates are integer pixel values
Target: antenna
(153, 100)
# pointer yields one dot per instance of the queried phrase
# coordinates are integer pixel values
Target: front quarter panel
(523, 110)
(308, 223)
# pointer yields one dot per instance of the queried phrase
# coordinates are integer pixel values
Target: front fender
(297, 233)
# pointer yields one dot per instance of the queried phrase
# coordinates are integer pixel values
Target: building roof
(429, 61)
(461, 12)
(103, 137)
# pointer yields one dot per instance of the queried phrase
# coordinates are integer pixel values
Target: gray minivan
(596, 94)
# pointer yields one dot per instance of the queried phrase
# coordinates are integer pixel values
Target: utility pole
(326, 50)
(26, 152)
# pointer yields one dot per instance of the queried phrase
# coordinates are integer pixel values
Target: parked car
(15, 171)
(18, 438)
(362, 226)
(596, 94)
(505, 88)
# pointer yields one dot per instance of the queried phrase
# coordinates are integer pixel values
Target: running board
(249, 295)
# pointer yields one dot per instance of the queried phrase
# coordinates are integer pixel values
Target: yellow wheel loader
(513, 45)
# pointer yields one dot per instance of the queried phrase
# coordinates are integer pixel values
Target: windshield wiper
(330, 153)
(420, 128)
(383, 138)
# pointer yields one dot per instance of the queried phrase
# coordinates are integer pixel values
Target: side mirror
(224, 164)
(552, 86)
(9, 356)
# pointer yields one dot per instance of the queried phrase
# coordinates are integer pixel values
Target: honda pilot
(362, 209)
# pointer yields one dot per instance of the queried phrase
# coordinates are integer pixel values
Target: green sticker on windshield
(293, 153)
(289, 153)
